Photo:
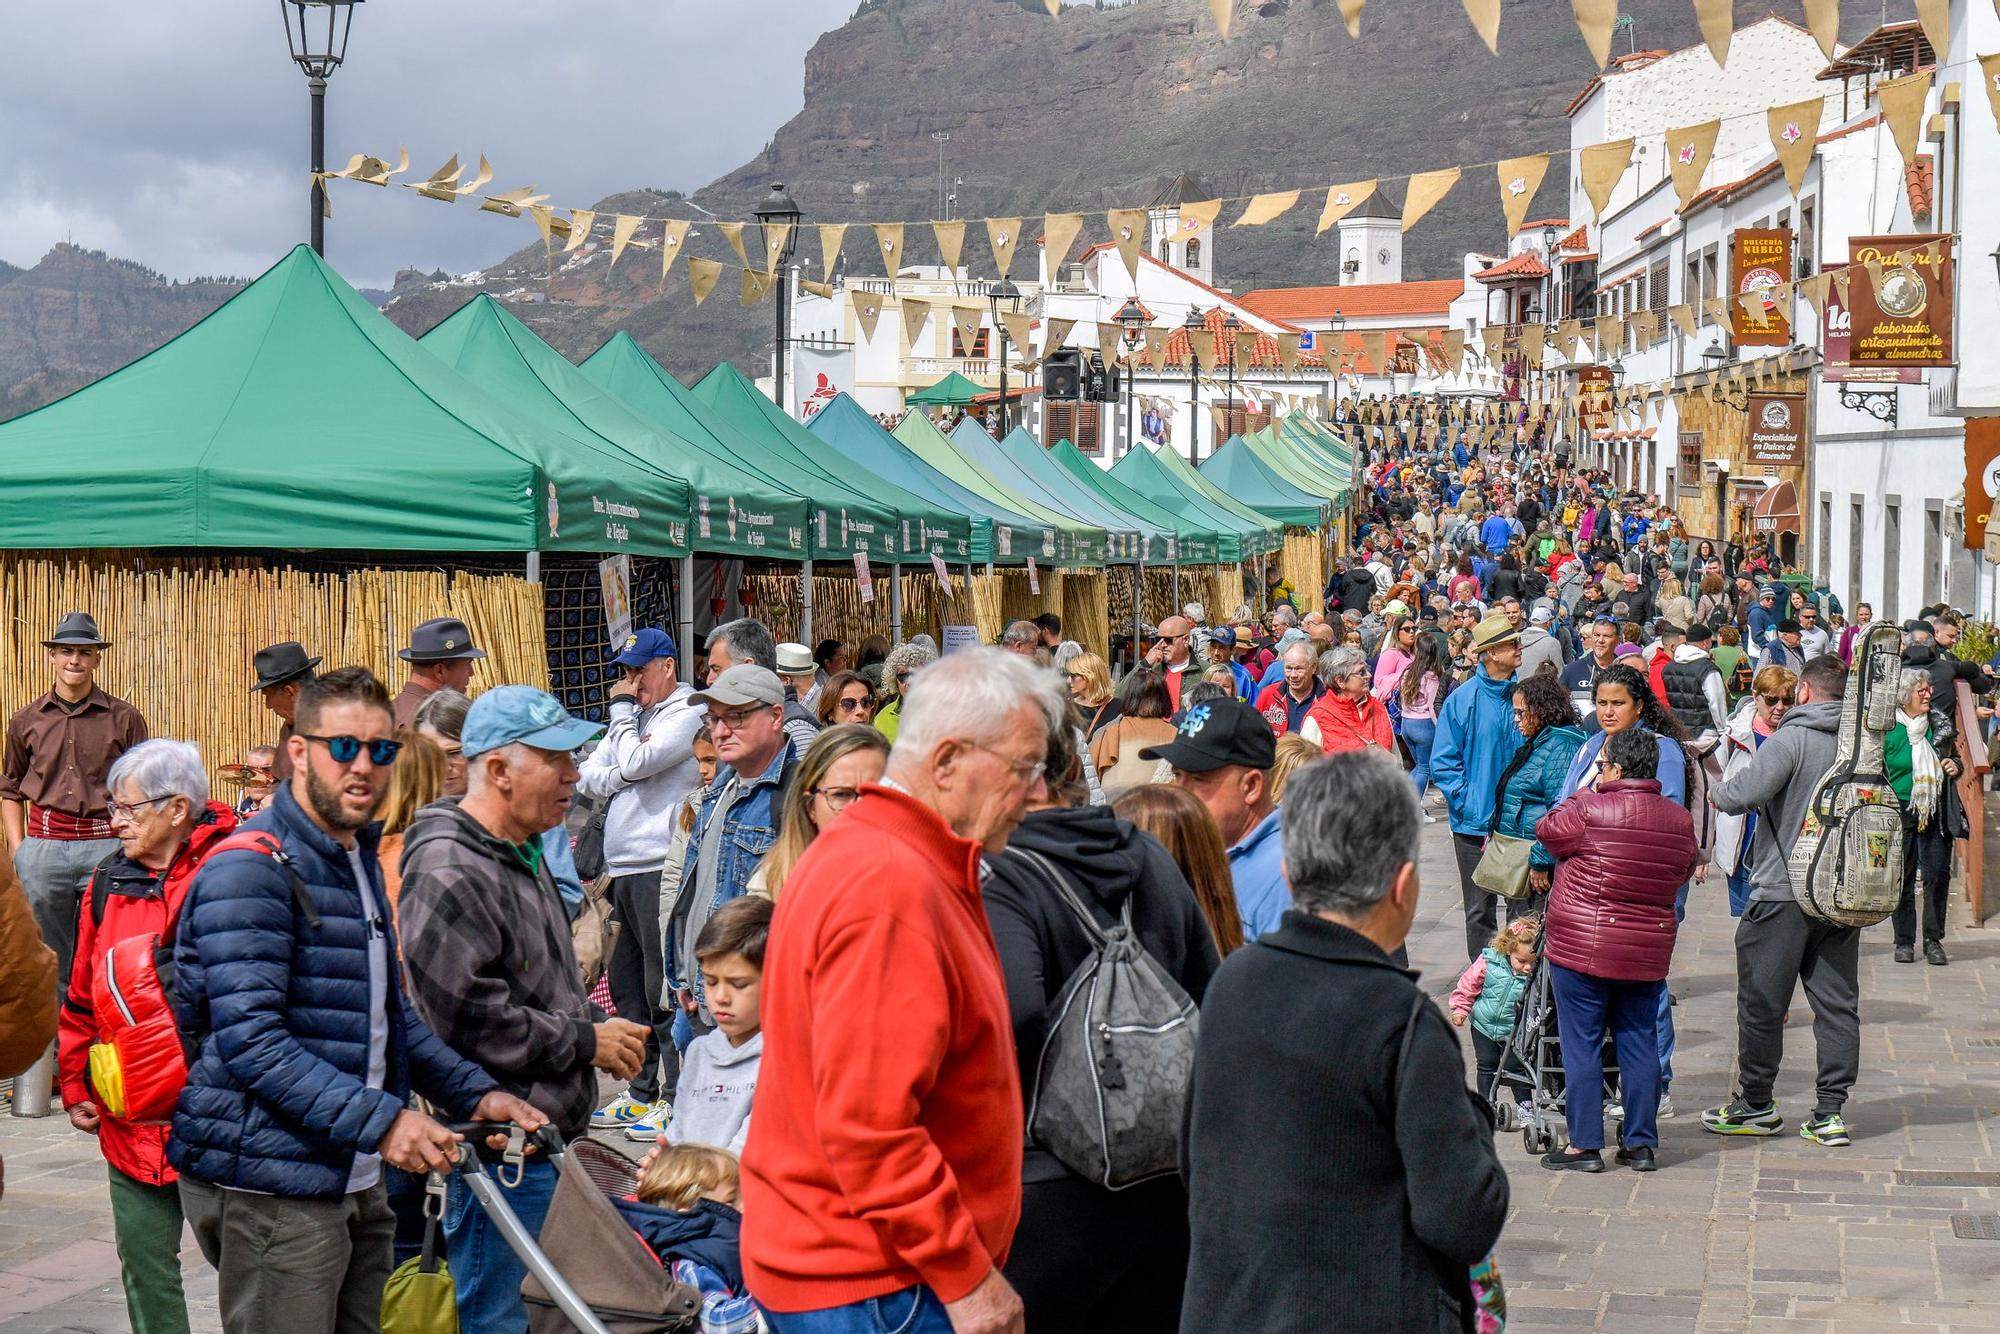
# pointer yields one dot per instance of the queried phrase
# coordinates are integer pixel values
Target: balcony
(930, 369)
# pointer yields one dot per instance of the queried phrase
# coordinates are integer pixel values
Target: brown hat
(1493, 632)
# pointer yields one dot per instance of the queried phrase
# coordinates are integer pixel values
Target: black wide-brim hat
(280, 663)
(78, 629)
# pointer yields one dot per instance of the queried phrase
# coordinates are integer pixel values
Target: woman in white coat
(1771, 693)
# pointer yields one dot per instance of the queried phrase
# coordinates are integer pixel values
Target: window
(1710, 280)
(1078, 422)
(1166, 250)
(1691, 286)
(1933, 547)
(1892, 558)
(1656, 292)
(1808, 257)
(1825, 567)
(979, 344)
(1857, 534)
(1193, 254)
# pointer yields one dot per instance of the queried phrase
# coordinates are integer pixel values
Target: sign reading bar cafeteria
(1759, 259)
(1776, 437)
(1904, 318)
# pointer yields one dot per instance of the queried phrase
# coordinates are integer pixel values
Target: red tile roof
(1358, 301)
(1576, 240)
(1527, 264)
(1588, 258)
(1540, 223)
(1920, 179)
(1263, 357)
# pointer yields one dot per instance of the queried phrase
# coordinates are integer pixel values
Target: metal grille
(1976, 1227)
(1980, 1042)
(1970, 1180)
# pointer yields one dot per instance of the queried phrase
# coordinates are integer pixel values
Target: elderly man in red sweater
(882, 1177)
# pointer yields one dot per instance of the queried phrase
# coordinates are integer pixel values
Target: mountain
(80, 314)
(1099, 107)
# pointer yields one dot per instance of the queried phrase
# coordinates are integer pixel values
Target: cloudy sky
(176, 135)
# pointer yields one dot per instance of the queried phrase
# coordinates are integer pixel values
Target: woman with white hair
(1348, 716)
(166, 826)
(903, 661)
(1920, 753)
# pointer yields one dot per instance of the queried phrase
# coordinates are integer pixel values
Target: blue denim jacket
(752, 829)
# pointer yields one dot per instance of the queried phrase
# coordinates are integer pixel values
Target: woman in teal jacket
(1532, 783)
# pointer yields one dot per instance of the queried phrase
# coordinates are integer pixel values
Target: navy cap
(1216, 734)
(506, 714)
(644, 646)
(1222, 636)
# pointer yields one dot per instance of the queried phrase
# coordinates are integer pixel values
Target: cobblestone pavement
(1750, 1235)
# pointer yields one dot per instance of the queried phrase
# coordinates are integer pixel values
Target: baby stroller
(1531, 1062)
(619, 1287)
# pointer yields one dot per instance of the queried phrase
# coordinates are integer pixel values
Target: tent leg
(1138, 612)
(685, 613)
(895, 604)
(806, 601)
(989, 569)
(534, 567)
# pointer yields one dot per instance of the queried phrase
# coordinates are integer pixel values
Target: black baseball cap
(1217, 734)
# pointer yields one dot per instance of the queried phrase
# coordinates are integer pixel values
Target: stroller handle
(548, 1138)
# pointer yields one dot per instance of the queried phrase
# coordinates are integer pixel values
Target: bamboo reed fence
(991, 601)
(1303, 562)
(183, 631)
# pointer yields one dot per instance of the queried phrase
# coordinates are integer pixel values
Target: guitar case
(1847, 865)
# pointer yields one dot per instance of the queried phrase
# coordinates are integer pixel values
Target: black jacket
(1356, 587)
(1041, 943)
(1328, 1190)
(1945, 669)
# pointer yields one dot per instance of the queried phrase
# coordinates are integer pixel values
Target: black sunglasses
(382, 750)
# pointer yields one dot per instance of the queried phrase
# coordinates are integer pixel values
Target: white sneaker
(1429, 818)
(1666, 1112)
(620, 1111)
(649, 1127)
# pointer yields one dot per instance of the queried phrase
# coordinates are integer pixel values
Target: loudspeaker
(1062, 375)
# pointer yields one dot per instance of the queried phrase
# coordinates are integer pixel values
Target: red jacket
(1345, 724)
(135, 907)
(886, 1146)
(1622, 853)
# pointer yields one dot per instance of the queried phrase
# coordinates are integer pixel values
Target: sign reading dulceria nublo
(1760, 258)
(1777, 430)
(1900, 301)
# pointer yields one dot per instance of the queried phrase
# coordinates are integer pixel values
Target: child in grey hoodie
(719, 1069)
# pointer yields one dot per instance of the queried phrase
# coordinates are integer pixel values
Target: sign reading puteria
(1903, 317)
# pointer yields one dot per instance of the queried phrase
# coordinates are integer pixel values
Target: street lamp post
(779, 210)
(1231, 326)
(316, 33)
(1192, 325)
(1132, 318)
(1005, 298)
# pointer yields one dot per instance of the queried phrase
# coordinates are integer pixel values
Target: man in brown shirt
(441, 654)
(53, 798)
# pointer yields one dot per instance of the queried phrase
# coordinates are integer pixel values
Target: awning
(952, 389)
(1778, 509)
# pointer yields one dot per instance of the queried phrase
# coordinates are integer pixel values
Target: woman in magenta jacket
(1622, 851)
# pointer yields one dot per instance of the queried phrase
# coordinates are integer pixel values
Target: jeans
(1739, 887)
(54, 871)
(636, 976)
(1926, 851)
(914, 1310)
(300, 1266)
(146, 1223)
(1585, 1006)
(1420, 734)
(484, 1272)
(1666, 1017)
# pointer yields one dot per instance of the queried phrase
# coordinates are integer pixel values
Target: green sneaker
(1829, 1130)
(1740, 1118)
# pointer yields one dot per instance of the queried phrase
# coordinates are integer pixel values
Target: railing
(1981, 816)
(972, 367)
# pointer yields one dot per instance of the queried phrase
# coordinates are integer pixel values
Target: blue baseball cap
(506, 714)
(1223, 637)
(644, 646)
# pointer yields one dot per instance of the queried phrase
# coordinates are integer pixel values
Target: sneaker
(1429, 818)
(1639, 1159)
(1828, 1129)
(1740, 1118)
(1666, 1112)
(622, 1110)
(1584, 1160)
(649, 1127)
(1934, 953)
(1906, 954)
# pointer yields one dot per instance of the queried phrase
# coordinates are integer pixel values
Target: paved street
(1731, 1235)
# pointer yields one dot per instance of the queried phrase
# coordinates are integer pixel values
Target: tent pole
(1138, 611)
(534, 567)
(685, 597)
(806, 601)
(895, 604)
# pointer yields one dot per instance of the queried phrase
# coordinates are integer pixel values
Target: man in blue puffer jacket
(308, 1049)
(1476, 736)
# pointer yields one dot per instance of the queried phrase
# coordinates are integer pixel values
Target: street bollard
(34, 1086)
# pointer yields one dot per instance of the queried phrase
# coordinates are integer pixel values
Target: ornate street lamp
(779, 210)
(316, 32)
(1193, 324)
(1005, 299)
(1132, 318)
(1231, 326)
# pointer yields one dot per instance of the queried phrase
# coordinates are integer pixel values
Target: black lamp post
(779, 210)
(316, 32)
(1005, 298)
(1194, 323)
(1231, 326)
(1549, 238)
(1132, 317)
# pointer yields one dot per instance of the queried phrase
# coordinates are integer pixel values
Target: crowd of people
(868, 939)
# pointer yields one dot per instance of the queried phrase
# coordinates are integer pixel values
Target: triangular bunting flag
(1156, 346)
(1902, 102)
(671, 241)
(1374, 348)
(1003, 234)
(1814, 291)
(1717, 19)
(1426, 189)
(581, 220)
(1601, 166)
(1989, 69)
(1196, 218)
(1934, 16)
(1841, 280)
(546, 223)
(1534, 343)
(485, 175)
(732, 232)
(438, 185)
(1128, 233)
(1288, 353)
(889, 245)
(1110, 342)
(755, 284)
(1350, 14)
(1058, 235)
(1222, 11)
(776, 236)
(1342, 200)
(950, 241)
(1594, 19)
(1263, 208)
(1245, 351)
(967, 320)
(1568, 334)
(1794, 131)
(1485, 16)
(1688, 151)
(509, 203)
(622, 231)
(1490, 337)
(1203, 343)
(1020, 328)
(1054, 333)
(831, 234)
(1823, 19)
(867, 310)
(702, 274)
(1520, 177)
(1454, 354)
(915, 315)
(1683, 317)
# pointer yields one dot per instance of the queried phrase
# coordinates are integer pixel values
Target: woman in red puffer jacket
(1622, 852)
(165, 826)
(1347, 716)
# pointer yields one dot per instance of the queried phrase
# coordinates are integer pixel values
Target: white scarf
(1925, 775)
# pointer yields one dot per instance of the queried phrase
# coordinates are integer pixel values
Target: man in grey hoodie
(1777, 945)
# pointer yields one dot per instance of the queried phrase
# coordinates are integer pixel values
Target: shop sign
(1776, 433)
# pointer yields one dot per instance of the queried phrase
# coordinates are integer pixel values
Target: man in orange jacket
(882, 1177)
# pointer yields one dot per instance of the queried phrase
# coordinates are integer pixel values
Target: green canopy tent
(928, 526)
(1145, 470)
(735, 513)
(1075, 544)
(845, 523)
(297, 416)
(1236, 470)
(950, 392)
(1320, 442)
(1190, 540)
(1309, 473)
(1269, 534)
(999, 534)
(1022, 463)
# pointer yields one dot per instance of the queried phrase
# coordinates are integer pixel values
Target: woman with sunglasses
(839, 763)
(903, 662)
(165, 825)
(846, 698)
(1771, 694)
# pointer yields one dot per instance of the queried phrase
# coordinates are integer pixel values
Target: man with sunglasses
(1172, 654)
(53, 796)
(307, 1048)
(644, 768)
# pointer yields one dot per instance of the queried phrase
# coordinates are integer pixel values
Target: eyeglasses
(344, 749)
(836, 798)
(734, 719)
(902, 678)
(1026, 772)
(851, 705)
(122, 810)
